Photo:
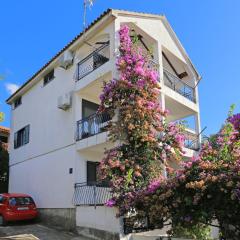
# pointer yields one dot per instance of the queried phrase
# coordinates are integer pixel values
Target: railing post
(92, 125)
(95, 196)
(77, 135)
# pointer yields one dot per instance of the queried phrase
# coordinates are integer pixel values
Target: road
(26, 231)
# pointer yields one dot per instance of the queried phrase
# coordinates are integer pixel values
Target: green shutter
(26, 135)
(15, 140)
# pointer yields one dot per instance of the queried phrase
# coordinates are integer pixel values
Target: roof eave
(184, 52)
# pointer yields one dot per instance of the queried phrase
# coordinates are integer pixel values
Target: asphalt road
(27, 231)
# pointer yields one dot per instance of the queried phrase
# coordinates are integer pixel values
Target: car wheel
(3, 222)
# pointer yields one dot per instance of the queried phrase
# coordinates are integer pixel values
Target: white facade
(42, 167)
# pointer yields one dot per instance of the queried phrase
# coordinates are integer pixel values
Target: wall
(50, 127)
(101, 218)
(41, 167)
(46, 178)
(59, 217)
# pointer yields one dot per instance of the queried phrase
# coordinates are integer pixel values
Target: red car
(15, 207)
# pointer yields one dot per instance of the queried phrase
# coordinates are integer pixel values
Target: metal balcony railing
(94, 194)
(92, 125)
(93, 61)
(153, 65)
(178, 85)
(191, 140)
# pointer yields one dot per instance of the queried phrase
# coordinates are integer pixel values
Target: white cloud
(11, 87)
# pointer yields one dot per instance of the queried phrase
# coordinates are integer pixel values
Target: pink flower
(153, 186)
(139, 70)
(156, 90)
(150, 105)
(110, 203)
(141, 83)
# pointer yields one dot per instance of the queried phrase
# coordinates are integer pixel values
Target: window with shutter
(21, 137)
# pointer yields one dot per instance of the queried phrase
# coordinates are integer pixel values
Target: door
(89, 126)
(88, 108)
(92, 173)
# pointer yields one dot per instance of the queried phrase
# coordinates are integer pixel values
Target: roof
(60, 52)
(4, 130)
(105, 13)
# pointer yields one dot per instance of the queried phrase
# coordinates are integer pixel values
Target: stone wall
(97, 234)
(65, 218)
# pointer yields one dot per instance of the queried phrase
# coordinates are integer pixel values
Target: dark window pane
(18, 201)
(88, 108)
(17, 102)
(48, 77)
(92, 172)
(21, 137)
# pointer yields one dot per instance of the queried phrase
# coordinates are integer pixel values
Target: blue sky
(33, 31)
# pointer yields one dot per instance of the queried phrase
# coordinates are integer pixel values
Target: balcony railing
(153, 64)
(94, 194)
(92, 125)
(93, 61)
(191, 140)
(179, 86)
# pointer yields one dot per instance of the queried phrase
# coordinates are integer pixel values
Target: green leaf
(1, 116)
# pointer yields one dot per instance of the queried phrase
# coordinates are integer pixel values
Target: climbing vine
(144, 141)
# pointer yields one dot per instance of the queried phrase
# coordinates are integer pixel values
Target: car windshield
(17, 201)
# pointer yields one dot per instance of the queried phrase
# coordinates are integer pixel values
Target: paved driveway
(26, 231)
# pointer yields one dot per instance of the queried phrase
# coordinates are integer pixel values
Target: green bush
(199, 232)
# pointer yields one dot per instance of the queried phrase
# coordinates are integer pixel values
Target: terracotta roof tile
(4, 130)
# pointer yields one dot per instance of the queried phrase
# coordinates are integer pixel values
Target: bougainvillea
(144, 142)
(205, 189)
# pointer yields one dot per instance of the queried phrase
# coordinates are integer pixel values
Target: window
(88, 108)
(1, 199)
(19, 201)
(21, 137)
(18, 102)
(48, 77)
(92, 172)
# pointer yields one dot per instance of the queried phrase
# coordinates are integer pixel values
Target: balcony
(191, 140)
(92, 125)
(179, 86)
(93, 61)
(93, 194)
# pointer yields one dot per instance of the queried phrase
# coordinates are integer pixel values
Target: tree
(1, 113)
(4, 169)
(205, 189)
(4, 164)
(1, 116)
(144, 140)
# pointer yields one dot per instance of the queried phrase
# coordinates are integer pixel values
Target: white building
(56, 137)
